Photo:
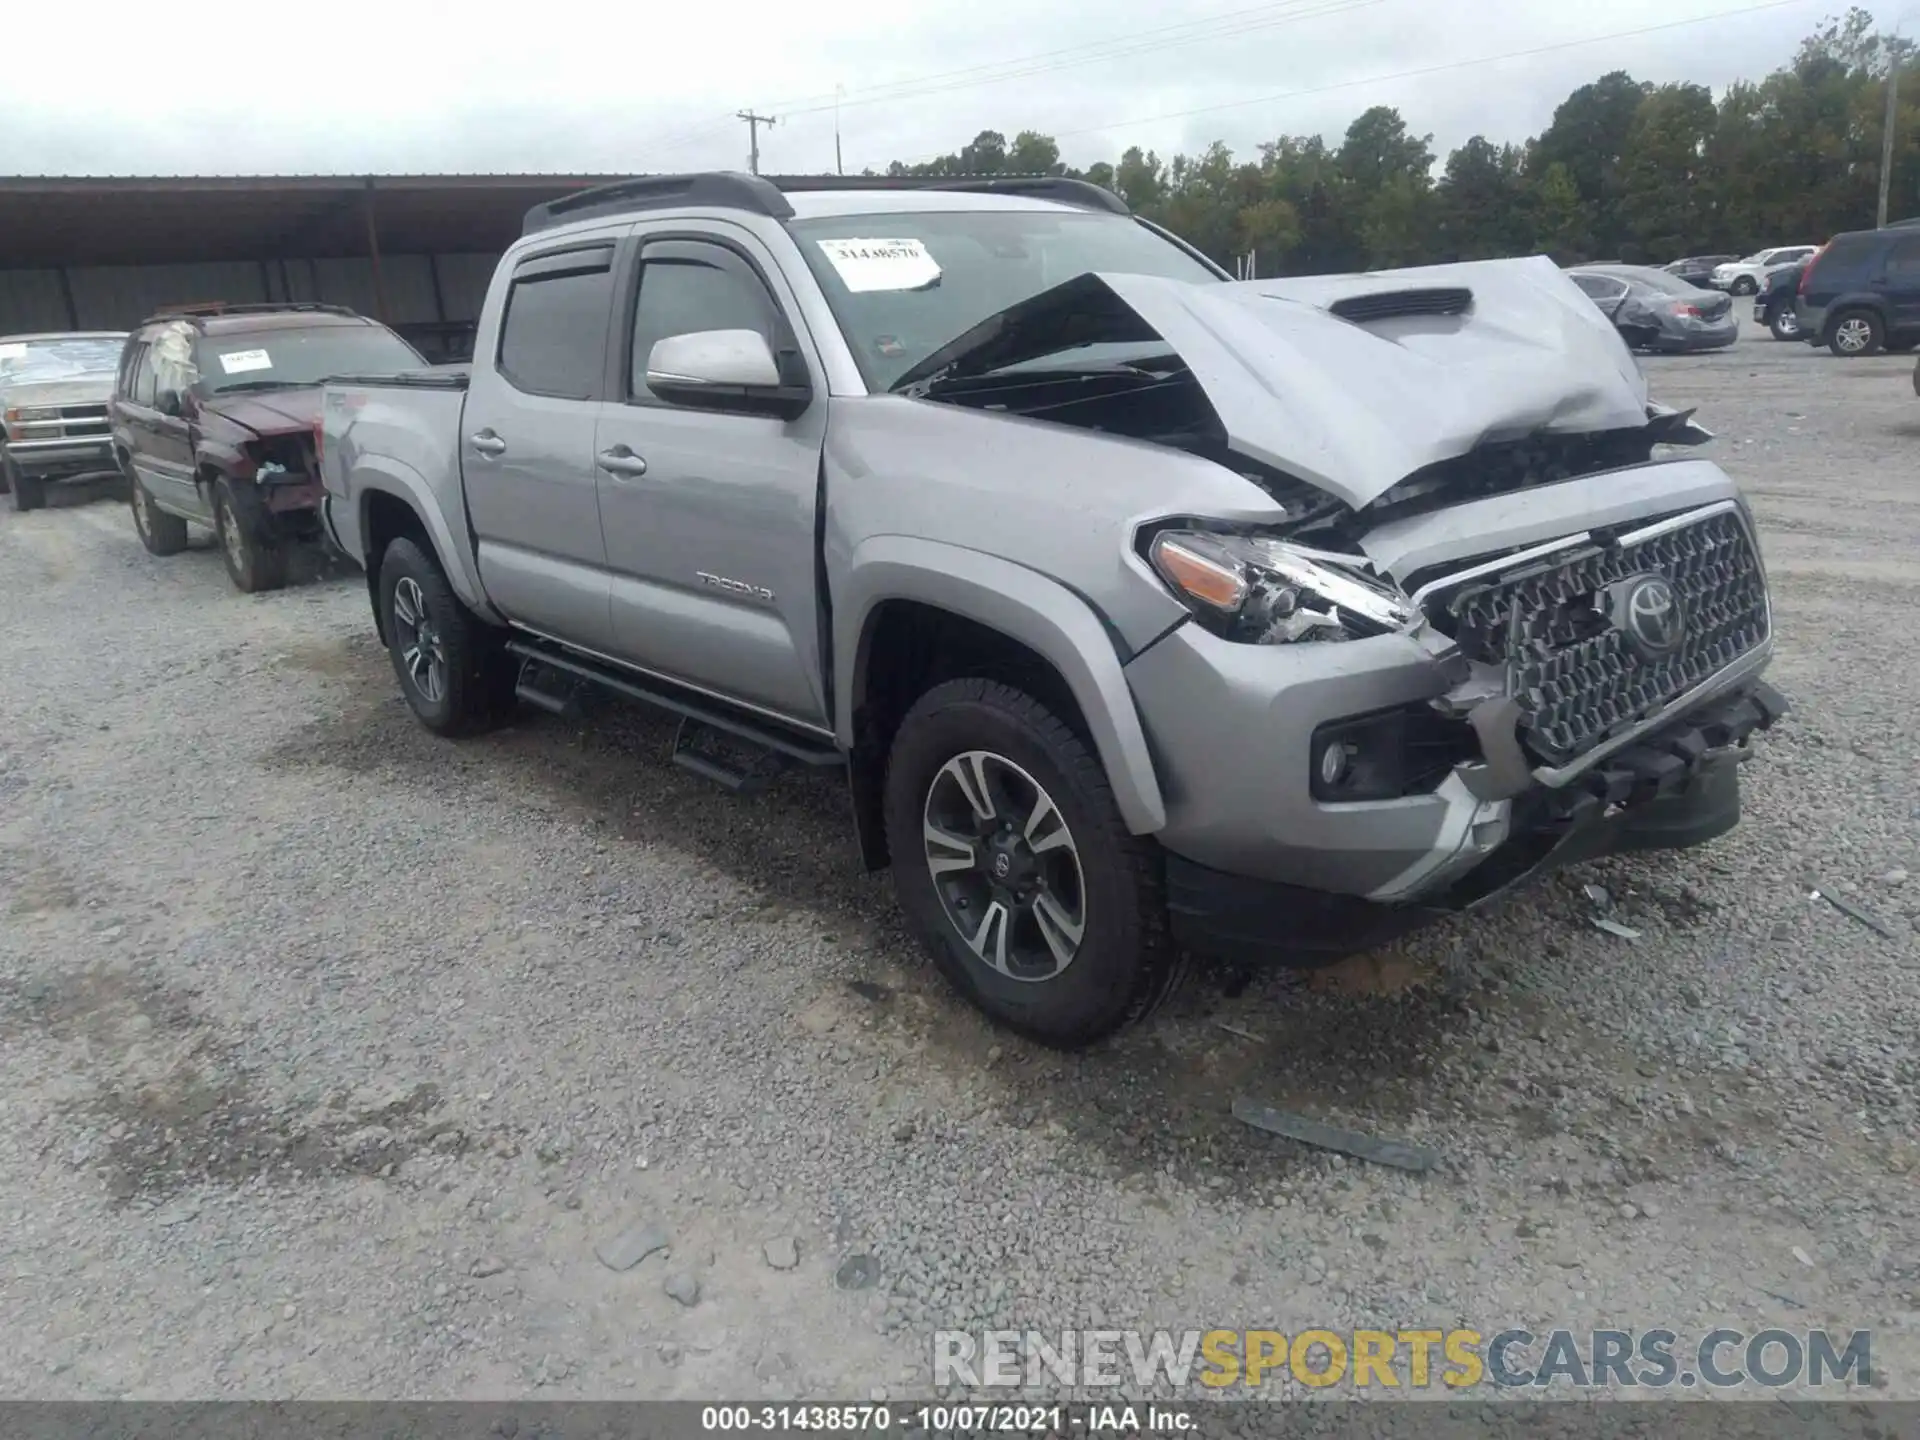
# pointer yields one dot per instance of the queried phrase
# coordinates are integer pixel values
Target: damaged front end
(1496, 629)
(286, 472)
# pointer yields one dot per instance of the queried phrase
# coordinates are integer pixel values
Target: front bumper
(1675, 788)
(58, 459)
(1502, 729)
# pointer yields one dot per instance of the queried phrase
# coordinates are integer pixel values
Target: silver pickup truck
(1145, 612)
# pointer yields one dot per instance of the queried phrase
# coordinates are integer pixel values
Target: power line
(1143, 45)
(1428, 69)
(1091, 51)
(996, 72)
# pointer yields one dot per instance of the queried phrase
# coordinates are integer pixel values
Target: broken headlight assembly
(1263, 591)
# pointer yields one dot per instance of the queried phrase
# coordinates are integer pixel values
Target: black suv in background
(1861, 293)
(213, 417)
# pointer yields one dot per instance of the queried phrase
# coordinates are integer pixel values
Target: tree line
(1626, 171)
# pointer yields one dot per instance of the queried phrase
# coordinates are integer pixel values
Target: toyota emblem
(1647, 610)
(1001, 865)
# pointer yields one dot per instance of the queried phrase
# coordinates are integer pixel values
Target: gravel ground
(333, 1056)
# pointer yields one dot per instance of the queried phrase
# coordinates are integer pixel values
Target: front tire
(1014, 868)
(1745, 285)
(1786, 326)
(1855, 333)
(456, 675)
(255, 559)
(162, 534)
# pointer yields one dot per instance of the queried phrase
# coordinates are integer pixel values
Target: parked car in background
(1697, 270)
(1774, 306)
(53, 410)
(1861, 293)
(214, 417)
(1142, 614)
(1745, 277)
(1653, 310)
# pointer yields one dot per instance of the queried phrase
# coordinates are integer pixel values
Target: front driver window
(683, 293)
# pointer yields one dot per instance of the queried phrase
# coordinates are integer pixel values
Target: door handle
(488, 443)
(622, 461)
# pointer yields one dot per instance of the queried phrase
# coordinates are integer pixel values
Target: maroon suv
(214, 414)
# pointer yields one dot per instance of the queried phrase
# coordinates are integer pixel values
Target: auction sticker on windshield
(868, 265)
(241, 361)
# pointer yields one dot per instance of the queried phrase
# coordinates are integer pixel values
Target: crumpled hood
(270, 412)
(84, 389)
(1350, 406)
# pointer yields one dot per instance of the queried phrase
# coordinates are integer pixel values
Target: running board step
(738, 764)
(546, 689)
(551, 676)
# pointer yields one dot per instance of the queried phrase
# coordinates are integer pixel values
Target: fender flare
(1025, 606)
(383, 475)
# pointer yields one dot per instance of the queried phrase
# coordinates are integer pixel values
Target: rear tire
(453, 668)
(161, 533)
(255, 559)
(29, 491)
(1072, 941)
(1854, 333)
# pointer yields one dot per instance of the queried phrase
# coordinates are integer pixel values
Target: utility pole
(754, 122)
(838, 167)
(1886, 132)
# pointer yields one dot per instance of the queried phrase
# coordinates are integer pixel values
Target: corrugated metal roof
(80, 220)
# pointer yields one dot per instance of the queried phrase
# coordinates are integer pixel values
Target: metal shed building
(102, 253)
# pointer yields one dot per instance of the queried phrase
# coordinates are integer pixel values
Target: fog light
(1335, 761)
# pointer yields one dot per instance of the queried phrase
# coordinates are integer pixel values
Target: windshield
(903, 285)
(298, 355)
(58, 357)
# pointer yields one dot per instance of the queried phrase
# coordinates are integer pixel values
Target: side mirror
(724, 370)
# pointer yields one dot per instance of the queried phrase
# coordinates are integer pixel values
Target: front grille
(1578, 678)
(83, 422)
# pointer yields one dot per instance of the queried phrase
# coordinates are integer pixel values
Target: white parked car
(1745, 277)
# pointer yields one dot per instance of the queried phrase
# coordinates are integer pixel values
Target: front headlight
(17, 420)
(1265, 592)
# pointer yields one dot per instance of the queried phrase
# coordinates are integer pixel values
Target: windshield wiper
(259, 385)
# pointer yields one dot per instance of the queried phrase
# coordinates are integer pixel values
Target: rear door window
(553, 338)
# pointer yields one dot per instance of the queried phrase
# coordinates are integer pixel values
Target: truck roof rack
(211, 309)
(1058, 188)
(767, 195)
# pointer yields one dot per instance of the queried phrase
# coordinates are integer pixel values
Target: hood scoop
(1393, 304)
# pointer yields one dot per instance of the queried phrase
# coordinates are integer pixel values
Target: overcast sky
(586, 88)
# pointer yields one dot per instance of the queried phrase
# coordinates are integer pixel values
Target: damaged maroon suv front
(214, 419)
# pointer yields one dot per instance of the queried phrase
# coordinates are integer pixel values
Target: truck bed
(399, 433)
